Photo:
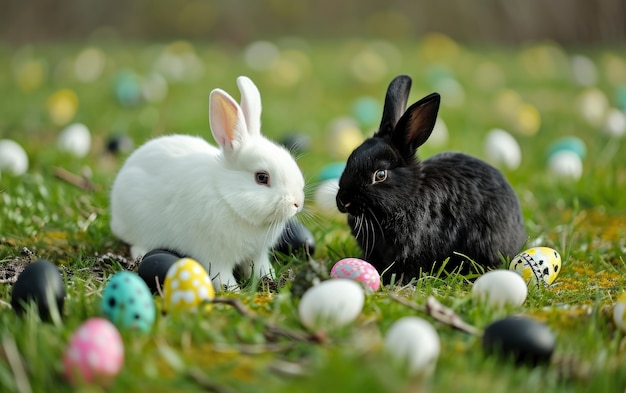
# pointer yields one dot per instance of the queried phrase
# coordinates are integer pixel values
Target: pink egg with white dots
(358, 270)
(95, 352)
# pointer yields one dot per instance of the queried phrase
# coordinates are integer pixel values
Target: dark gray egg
(41, 283)
(297, 142)
(120, 144)
(523, 339)
(295, 238)
(154, 266)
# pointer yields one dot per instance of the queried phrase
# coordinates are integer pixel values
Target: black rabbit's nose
(343, 207)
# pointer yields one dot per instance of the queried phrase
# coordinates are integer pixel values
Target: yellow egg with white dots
(187, 286)
(619, 312)
(537, 264)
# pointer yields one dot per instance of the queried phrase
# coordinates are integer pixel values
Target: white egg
(439, 136)
(332, 303)
(414, 342)
(13, 158)
(75, 139)
(615, 124)
(566, 165)
(325, 196)
(499, 288)
(619, 312)
(584, 70)
(502, 149)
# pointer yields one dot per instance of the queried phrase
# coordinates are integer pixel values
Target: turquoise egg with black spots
(128, 303)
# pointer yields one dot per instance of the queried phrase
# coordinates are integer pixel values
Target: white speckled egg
(358, 270)
(619, 312)
(187, 285)
(127, 302)
(331, 303)
(537, 264)
(95, 352)
(414, 342)
(499, 288)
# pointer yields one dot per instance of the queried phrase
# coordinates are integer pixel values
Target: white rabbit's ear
(227, 121)
(250, 104)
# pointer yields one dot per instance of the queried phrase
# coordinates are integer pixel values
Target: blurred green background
(240, 21)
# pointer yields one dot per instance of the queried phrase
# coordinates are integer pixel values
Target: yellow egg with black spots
(187, 286)
(537, 264)
(619, 312)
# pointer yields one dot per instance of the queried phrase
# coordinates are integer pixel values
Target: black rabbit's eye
(262, 177)
(380, 175)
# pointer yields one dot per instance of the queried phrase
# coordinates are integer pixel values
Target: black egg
(41, 283)
(523, 339)
(296, 142)
(295, 238)
(154, 266)
(119, 144)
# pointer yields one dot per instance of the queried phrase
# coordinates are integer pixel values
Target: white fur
(180, 192)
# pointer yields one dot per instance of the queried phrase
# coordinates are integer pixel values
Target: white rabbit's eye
(380, 175)
(262, 177)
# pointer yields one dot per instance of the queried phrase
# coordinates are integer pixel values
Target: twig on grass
(76, 180)
(270, 327)
(440, 312)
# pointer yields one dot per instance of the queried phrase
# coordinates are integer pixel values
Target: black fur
(424, 212)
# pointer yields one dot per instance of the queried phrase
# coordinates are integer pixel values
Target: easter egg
(62, 106)
(367, 110)
(325, 196)
(593, 105)
(619, 312)
(330, 304)
(537, 264)
(439, 136)
(154, 88)
(75, 139)
(90, 64)
(357, 270)
(344, 137)
(565, 165)
(502, 149)
(13, 158)
(615, 123)
(570, 143)
(187, 285)
(127, 88)
(332, 171)
(523, 339)
(119, 144)
(296, 142)
(154, 267)
(127, 302)
(295, 238)
(414, 342)
(41, 283)
(95, 352)
(500, 288)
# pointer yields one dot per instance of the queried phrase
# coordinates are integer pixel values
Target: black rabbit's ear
(395, 102)
(416, 125)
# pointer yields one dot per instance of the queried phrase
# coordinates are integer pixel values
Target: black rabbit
(409, 216)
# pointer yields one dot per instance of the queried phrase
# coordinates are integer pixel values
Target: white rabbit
(223, 207)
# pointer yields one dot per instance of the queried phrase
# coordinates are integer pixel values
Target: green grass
(584, 220)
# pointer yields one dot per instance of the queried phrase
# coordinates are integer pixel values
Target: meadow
(540, 92)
